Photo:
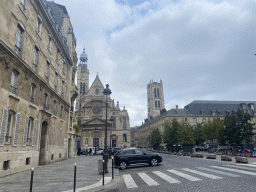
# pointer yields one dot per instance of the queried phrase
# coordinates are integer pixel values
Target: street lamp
(106, 92)
(109, 153)
(95, 140)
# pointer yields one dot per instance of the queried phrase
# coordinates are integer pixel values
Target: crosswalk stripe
(235, 170)
(220, 172)
(202, 174)
(240, 166)
(148, 179)
(184, 175)
(129, 181)
(166, 177)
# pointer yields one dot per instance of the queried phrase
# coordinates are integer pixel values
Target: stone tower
(155, 96)
(82, 79)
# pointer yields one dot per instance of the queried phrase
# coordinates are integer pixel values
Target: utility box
(100, 166)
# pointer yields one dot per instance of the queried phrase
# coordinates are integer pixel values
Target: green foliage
(213, 130)
(197, 134)
(170, 132)
(238, 127)
(77, 128)
(185, 135)
(156, 137)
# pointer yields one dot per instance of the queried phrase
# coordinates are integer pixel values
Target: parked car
(114, 150)
(128, 156)
(99, 151)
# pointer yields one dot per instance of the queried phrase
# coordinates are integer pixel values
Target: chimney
(177, 108)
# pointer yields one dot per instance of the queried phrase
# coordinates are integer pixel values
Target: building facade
(37, 91)
(196, 112)
(155, 98)
(91, 113)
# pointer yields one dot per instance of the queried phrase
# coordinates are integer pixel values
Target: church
(90, 113)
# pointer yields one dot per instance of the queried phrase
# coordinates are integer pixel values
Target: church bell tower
(82, 79)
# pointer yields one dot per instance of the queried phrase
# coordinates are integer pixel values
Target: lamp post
(95, 140)
(109, 152)
(106, 92)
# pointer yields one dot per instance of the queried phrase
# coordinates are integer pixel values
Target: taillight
(116, 157)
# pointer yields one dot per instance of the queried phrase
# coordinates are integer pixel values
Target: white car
(99, 151)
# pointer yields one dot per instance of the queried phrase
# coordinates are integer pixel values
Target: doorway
(96, 142)
(69, 148)
(113, 142)
(42, 152)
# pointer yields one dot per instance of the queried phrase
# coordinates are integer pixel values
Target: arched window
(29, 131)
(124, 138)
(14, 81)
(33, 92)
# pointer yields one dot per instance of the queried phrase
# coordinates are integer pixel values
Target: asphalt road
(181, 173)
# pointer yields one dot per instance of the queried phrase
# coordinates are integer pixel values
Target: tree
(185, 135)
(213, 129)
(197, 134)
(156, 137)
(167, 132)
(238, 127)
(77, 128)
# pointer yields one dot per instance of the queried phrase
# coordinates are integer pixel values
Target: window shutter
(53, 134)
(60, 139)
(3, 126)
(34, 133)
(25, 131)
(17, 127)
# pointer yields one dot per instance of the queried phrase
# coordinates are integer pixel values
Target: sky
(200, 49)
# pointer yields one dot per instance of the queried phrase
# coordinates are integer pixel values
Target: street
(181, 173)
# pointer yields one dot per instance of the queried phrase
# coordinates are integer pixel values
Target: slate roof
(220, 108)
(208, 107)
(59, 11)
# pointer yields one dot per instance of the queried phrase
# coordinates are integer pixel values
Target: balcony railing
(72, 108)
(13, 89)
(23, 8)
(46, 106)
(17, 50)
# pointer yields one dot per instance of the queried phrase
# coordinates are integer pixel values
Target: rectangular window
(50, 43)
(14, 81)
(64, 66)
(9, 127)
(61, 112)
(46, 106)
(58, 56)
(158, 104)
(36, 58)
(124, 138)
(54, 107)
(30, 124)
(62, 88)
(39, 25)
(155, 104)
(157, 92)
(23, 5)
(33, 92)
(47, 71)
(19, 40)
(56, 81)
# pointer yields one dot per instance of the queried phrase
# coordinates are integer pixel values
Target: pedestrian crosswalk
(176, 176)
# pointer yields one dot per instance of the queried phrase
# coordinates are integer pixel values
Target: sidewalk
(59, 176)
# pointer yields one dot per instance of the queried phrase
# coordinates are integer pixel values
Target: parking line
(220, 172)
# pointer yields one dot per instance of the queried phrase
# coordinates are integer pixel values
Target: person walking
(90, 151)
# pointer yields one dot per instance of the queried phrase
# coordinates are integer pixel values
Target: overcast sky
(201, 49)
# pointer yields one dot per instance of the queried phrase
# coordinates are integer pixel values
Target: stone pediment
(95, 121)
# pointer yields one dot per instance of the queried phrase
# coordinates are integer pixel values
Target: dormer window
(23, 5)
(202, 112)
(251, 106)
(243, 105)
(219, 112)
(227, 112)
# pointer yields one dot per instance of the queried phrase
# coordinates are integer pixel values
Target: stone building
(91, 113)
(155, 94)
(37, 66)
(198, 111)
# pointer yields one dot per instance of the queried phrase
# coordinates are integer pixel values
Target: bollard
(103, 173)
(112, 167)
(74, 178)
(31, 180)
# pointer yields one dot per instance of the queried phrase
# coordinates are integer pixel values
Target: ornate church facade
(90, 114)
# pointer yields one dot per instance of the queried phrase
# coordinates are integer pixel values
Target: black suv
(125, 157)
(114, 150)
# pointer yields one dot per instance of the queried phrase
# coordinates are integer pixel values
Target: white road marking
(166, 177)
(241, 166)
(220, 172)
(184, 175)
(99, 184)
(129, 181)
(202, 174)
(235, 170)
(148, 179)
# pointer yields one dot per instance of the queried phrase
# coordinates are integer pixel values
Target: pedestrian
(86, 151)
(90, 151)
(79, 151)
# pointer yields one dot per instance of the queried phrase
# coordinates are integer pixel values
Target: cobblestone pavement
(178, 173)
(59, 176)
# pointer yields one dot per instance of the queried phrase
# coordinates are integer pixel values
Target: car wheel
(154, 162)
(123, 165)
